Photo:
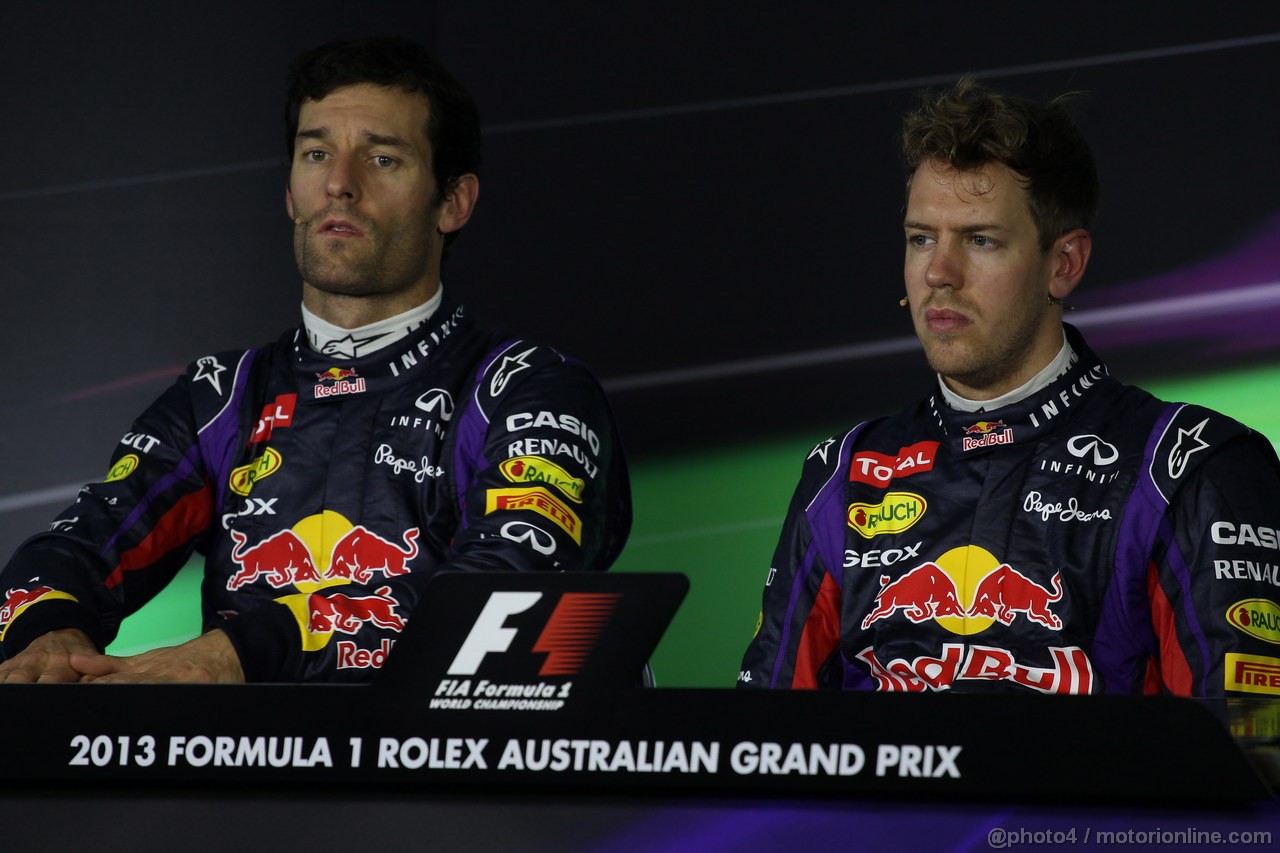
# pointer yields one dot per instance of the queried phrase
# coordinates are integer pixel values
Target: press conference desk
(208, 767)
(490, 728)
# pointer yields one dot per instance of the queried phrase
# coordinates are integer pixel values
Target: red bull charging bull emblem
(297, 562)
(17, 600)
(965, 591)
(337, 381)
(991, 433)
(997, 593)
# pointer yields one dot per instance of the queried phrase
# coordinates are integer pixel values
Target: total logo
(991, 433)
(965, 591)
(298, 559)
(275, 415)
(337, 381)
(879, 469)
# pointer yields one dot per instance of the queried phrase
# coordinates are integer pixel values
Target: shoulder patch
(510, 366)
(1189, 437)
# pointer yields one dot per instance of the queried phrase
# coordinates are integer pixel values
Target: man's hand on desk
(47, 659)
(208, 659)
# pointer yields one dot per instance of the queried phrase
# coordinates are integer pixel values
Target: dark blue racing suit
(324, 494)
(1089, 538)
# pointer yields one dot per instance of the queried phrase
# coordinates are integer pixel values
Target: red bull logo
(337, 381)
(284, 559)
(310, 573)
(281, 559)
(17, 600)
(336, 374)
(1006, 592)
(925, 592)
(984, 428)
(347, 614)
(937, 590)
(1070, 670)
(361, 552)
(989, 436)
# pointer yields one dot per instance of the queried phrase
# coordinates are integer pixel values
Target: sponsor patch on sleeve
(528, 469)
(536, 499)
(1257, 617)
(124, 466)
(18, 600)
(1252, 673)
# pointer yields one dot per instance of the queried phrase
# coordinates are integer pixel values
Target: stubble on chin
(334, 269)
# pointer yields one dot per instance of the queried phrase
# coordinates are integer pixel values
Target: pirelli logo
(536, 499)
(1252, 673)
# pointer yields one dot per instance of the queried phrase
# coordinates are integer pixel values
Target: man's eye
(382, 161)
(313, 156)
(982, 241)
(918, 241)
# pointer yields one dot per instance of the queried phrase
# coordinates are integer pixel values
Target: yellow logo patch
(526, 469)
(1251, 673)
(243, 478)
(539, 500)
(1257, 617)
(124, 466)
(896, 513)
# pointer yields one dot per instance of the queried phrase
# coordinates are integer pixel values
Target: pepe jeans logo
(1035, 504)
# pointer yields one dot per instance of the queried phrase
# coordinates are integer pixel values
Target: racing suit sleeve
(797, 636)
(122, 540)
(1214, 579)
(539, 470)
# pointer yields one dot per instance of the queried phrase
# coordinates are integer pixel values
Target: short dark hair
(453, 123)
(968, 125)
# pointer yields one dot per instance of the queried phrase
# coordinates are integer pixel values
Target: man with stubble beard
(1032, 523)
(326, 477)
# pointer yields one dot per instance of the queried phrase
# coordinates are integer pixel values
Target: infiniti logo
(436, 398)
(525, 533)
(1084, 445)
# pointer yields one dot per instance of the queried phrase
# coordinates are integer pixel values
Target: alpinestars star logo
(511, 365)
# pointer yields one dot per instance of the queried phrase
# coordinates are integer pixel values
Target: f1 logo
(489, 634)
(567, 637)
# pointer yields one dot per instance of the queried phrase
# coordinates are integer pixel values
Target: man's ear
(1070, 256)
(288, 202)
(459, 203)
